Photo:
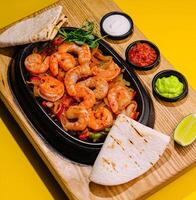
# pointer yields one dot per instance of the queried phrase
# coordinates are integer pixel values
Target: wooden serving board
(73, 177)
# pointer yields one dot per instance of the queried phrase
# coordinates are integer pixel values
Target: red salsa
(142, 54)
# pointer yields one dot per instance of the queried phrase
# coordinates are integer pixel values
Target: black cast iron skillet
(51, 131)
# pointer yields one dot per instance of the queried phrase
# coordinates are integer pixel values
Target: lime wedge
(185, 132)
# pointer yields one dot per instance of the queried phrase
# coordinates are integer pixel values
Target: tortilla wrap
(42, 27)
(129, 150)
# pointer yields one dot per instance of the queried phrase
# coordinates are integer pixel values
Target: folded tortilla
(42, 27)
(129, 150)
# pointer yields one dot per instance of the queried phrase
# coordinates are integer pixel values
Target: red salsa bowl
(142, 55)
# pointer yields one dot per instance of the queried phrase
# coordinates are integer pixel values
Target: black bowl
(52, 131)
(121, 37)
(167, 73)
(143, 68)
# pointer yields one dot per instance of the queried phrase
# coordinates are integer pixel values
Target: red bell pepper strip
(84, 136)
(134, 115)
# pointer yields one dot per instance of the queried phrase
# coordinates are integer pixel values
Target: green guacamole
(169, 87)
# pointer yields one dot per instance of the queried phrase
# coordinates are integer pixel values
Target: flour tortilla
(129, 150)
(42, 27)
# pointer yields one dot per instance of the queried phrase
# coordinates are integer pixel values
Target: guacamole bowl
(170, 86)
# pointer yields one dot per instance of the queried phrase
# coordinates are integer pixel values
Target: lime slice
(185, 132)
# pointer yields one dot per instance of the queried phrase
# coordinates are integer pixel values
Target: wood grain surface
(73, 177)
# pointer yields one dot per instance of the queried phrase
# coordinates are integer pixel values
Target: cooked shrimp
(65, 60)
(83, 52)
(119, 98)
(61, 75)
(84, 55)
(97, 84)
(108, 71)
(86, 96)
(131, 110)
(35, 63)
(132, 107)
(77, 113)
(73, 75)
(100, 119)
(50, 88)
(68, 47)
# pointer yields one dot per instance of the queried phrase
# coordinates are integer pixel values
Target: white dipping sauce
(116, 25)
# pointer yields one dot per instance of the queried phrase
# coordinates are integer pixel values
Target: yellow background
(169, 24)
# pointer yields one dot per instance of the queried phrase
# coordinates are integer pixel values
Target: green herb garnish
(80, 36)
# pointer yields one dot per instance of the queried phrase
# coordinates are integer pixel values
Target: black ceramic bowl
(167, 73)
(147, 67)
(52, 131)
(120, 37)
